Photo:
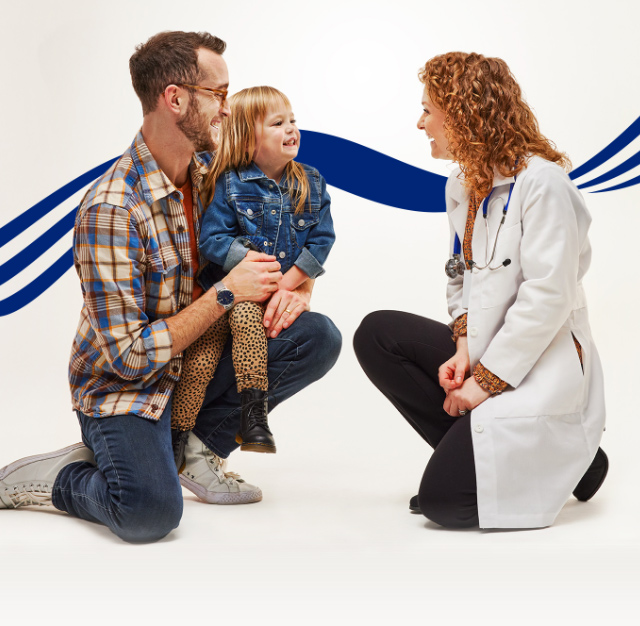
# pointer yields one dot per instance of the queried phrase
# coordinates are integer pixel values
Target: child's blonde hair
(237, 142)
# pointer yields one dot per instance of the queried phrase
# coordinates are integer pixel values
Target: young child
(265, 201)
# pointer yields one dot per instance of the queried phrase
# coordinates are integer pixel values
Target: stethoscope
(455, 267)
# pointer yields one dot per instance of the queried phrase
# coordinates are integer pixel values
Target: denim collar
(251, 172)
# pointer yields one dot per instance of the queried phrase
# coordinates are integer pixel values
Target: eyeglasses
(220, 94)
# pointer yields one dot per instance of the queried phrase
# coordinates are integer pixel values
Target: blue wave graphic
(36, 249)
(618, 144)
(372, 175)
(345, 164)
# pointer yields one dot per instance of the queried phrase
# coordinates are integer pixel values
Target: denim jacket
(251, 211)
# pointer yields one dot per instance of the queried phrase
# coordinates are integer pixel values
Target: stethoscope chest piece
(454, 266)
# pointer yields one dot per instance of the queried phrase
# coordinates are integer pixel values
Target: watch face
(225, 298)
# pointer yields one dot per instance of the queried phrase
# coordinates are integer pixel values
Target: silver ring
(463, 412)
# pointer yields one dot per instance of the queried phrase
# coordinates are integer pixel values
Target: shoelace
(30, 496)
(257, 416)
(230, 477)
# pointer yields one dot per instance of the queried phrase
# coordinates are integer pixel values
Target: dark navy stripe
(623, 168)
(620, 142)
(40, 209)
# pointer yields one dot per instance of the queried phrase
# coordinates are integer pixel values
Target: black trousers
(401, 353)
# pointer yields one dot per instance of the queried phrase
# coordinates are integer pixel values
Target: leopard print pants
(249, 355)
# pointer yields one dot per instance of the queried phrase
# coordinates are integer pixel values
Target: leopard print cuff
(488, 381)
(459, 327)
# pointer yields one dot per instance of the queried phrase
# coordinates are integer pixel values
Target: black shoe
(593, 478)
(254, 432)
(179, 442)
(414, 507)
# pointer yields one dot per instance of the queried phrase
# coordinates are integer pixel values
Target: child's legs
(198, 366)
(249, 346)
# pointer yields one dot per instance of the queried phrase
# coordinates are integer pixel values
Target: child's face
(277, 140)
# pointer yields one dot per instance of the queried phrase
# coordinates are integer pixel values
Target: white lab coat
(533, 442)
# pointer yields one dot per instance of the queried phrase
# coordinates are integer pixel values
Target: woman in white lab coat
(514, 405)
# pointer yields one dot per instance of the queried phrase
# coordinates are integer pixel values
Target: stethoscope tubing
(455, 262)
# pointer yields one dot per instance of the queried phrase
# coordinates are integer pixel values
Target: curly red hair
(488, 123)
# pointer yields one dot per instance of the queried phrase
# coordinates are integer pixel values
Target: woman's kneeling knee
(448, 511)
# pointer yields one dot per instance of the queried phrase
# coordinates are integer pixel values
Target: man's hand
(284, 308)
(468, 397)
(255, 278)
(451, 373)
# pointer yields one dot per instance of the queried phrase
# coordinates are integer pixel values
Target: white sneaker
(204, 475)
(28, 481)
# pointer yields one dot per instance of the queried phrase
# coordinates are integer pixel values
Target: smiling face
(201, 122)
(277, 140)
(432, 123)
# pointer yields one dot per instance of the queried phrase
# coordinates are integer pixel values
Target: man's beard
(195, 128)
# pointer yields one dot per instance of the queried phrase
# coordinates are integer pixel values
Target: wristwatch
(225, 296)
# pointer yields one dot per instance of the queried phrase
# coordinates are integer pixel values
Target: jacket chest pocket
(250, 216)
(162, 284)
(501, 284)
(301, 225)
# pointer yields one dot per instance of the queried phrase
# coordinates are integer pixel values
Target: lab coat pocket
(555, 385)
(500, 281)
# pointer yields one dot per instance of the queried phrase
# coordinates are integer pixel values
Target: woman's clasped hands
(463, 392)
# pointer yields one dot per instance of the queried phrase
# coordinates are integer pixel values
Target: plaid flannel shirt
(132, 254)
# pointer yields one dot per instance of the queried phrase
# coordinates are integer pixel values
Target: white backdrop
(332, 540)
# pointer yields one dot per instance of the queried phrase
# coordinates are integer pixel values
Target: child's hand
(284, 308)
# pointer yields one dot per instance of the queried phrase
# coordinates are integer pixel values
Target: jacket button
(478, 428)
(266, 243)
(154, 407)
(473, 332)
(270, 186)
(175, 369)
(282, 255)
(273, 211)
(300, 222)
(249, 211)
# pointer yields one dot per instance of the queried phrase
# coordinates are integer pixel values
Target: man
(135, 251)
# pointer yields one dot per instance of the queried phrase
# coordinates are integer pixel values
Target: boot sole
(16, 465)
(255, 446)
(211, 497)
(258, 447)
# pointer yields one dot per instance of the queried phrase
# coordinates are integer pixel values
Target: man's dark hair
(167, 59)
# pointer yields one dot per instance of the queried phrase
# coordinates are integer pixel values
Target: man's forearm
(254, 279)
(186, 326)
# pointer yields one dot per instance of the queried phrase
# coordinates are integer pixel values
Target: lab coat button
(473, 332)
(478, 428)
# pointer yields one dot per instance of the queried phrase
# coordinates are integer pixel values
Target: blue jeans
(134, 490)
